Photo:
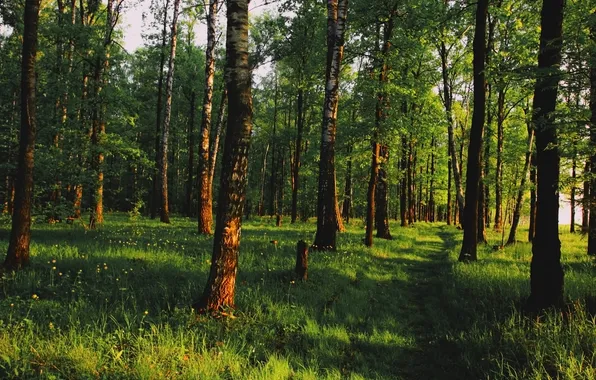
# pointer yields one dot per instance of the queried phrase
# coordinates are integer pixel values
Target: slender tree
(155, 199)
(220, 288)
(327, 207)
(546, 273)
(469, 245)
(205, 193)
(164, 214)
(20, 233)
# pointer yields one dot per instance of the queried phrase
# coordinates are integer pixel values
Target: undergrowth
(115, 303)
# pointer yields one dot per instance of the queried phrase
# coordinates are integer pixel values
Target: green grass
(117, 305)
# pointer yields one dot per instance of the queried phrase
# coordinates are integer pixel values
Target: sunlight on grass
(115, 303)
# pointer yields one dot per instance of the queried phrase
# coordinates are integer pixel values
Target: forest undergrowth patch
(115, 303)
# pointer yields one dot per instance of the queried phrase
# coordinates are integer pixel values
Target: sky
(133, 22)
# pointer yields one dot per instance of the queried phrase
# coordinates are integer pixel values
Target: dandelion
(51, 326)
(35, 296)
(105, 267)
(146, 312)
(53, 268)
(53, 261)
(12, 305)
(59, 273)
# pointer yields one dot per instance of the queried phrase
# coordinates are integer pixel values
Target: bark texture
(205, 194)
(327, 208)
(20, 233)
(546, 273)
(474, 167)
(220, 288)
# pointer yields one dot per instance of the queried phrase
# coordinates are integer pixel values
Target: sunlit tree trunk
(474, 167)
(403, 193)
(348, 192)
(297, 155)
(191, 154)
(586, 198)
(381, 196)
(220, 288)
(572, 196)
(17, 255)
(327, 207)
(164, 214)
(205, 194)
(219, 127)
(546, 273)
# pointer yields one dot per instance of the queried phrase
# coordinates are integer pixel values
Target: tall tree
(220, 288)
(155, 199)
(205, 188)
(470, 242)
(20, 233)
(164, 214)
(546, 273)
(327, 208)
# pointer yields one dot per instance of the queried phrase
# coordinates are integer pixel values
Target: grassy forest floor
(115, 303)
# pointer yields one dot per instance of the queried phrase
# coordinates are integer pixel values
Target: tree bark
(546, 273)
(220, 288)
(205, 193)
(164, 215)
(263, 171)
(522, 187)
(17, 255)
(327, 207)
(474, 167)
(372, 184)
(155, 199)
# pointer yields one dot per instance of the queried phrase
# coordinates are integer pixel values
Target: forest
(298, 189)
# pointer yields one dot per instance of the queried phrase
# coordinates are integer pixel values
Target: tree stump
(302, 260)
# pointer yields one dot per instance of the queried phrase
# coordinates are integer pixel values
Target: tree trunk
(301, 268)
(273, 178)
(217, 137)
(220, 288)
(155, 199)
(163, 159)
(98, 124)
(448, 218)
(533, 188)
(372, 184)
(381, 195)
(474, 167)
(17, 255)
(205, 194)
(327, 207)
(347, 203)
(431, 200)
(499, 169)
(410, 185)
(546, 273)
(263, 171)
(572, 197)
(586, 197)
(448, 100)
(403, 193)
(297, 153)
(191, 154)
(522, 189)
